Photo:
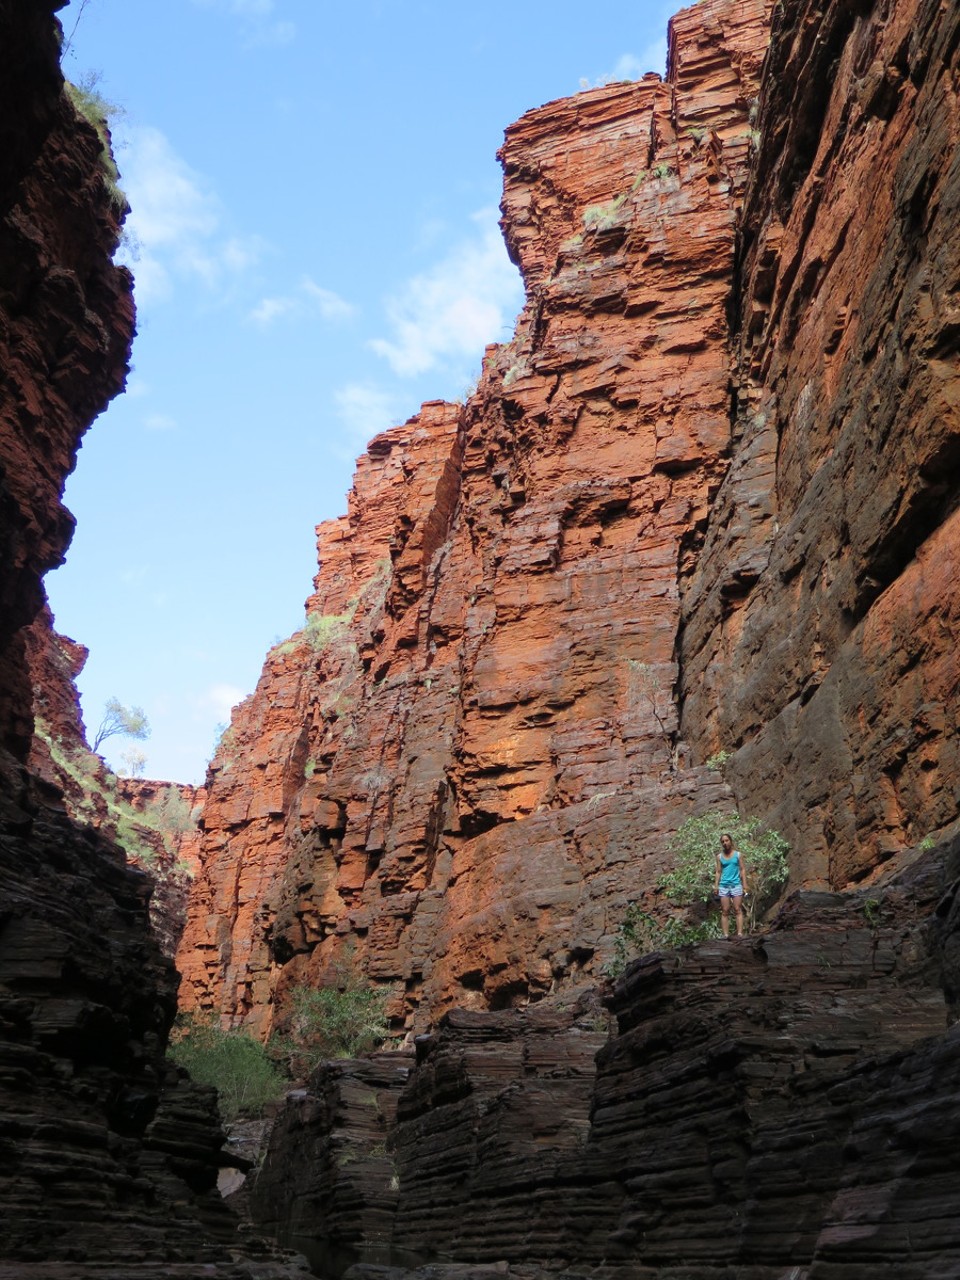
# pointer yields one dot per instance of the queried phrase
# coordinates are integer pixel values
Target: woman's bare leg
(725, 916)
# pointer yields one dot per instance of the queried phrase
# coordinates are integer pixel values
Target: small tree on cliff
(129, 722)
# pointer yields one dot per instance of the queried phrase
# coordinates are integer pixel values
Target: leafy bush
(691, 881)
(330, 1022)
(238, 1066)
(695, 846)
(718, 760)
(641, 932)
(603, 216)
(170, 812)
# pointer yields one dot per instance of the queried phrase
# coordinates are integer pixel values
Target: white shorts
(731, 891)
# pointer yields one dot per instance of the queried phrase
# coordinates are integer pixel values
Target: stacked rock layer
(467, 763)
(785, 1107)
(109, 1154)
(819, 638)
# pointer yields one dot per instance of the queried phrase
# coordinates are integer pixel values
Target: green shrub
(321, 630)
(332, 1022)
(238, 1067)
(170, 812)
(690, 883)
(603, 216)
(695, 848)
(641, 932)
(90, 103)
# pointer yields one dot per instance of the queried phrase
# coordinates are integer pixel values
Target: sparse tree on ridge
(133, 762)
(129, 722)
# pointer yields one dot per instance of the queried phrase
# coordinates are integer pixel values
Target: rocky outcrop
(155, 823)
(703, 505)
(66, 317)
(828, 580)
(109, 1155)
(778, 1107)
(468, 762)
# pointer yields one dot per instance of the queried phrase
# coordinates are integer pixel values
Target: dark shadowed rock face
(819, 641)
(782, 1106)
(155, 823)
(66, 319)
(108, 1156)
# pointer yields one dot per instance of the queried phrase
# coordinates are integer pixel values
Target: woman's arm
(716, 878)
(743, 873)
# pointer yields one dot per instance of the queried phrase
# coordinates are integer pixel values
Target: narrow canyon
(691, 547)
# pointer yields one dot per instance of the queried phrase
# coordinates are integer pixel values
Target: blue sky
(315, 244)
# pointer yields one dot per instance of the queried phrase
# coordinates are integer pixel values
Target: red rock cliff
(464, 766)
(820, 626)
(705, 501)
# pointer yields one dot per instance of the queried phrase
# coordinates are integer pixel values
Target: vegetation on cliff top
(329, 1022)
(689, 885)
(97, 111)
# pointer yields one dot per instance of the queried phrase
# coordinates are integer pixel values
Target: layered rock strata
(109, 1155)
(155, 823)
(829, 578)
(456, 776)
(785, 1106)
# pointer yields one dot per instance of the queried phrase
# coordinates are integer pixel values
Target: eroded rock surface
(829, 579)
(782, 1106)
(155, 823)
(459, 773)
(108, 1156)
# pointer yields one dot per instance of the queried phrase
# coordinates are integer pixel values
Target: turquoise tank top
(730, 870)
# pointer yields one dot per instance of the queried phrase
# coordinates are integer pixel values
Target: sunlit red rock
(469, 762)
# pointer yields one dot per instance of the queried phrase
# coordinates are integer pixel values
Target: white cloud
(630, 66)
(176, 222)
(330, 305)
(365, 411)
(221, 699)
(310, 299)
(450, 313)
(160, 422)
(270, 309)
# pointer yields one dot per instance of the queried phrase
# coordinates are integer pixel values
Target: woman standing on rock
(730, 883)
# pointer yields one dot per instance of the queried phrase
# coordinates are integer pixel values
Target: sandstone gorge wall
(820, 624)
(784, 1109)
(108, 1153)
(704, 502)
(467, 763)
(66, 314)
(541, 614)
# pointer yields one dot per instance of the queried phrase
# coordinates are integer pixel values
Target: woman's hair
(727, 836)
